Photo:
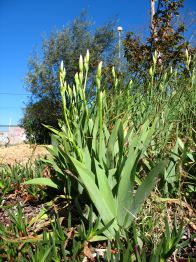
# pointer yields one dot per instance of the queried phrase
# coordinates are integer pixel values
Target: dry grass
(22, 153)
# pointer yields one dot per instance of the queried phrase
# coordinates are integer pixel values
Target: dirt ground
(22, 153)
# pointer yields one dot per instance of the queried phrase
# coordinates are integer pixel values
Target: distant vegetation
(42, 80)
(119, 184)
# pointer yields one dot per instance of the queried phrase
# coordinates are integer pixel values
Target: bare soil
(22, 153)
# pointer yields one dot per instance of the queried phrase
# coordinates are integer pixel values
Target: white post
(120, 29)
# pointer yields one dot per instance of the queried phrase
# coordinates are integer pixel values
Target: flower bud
(155, 56)
(81, 77)
(61, 66)
(87, 56)
(62, 71)
(113, 72)
(77, 79)
(151, 71)
(81, 63)
(116, 82)
(130, 83)
(86, 61)
(99, 69)
(187, 55)
(63, 88)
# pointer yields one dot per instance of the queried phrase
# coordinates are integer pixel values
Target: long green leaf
(146, 187)
(88, 179)
(110, 146)
(124, 195)
(120, 141)
(42, 181)
(127, 178)
(105, 189)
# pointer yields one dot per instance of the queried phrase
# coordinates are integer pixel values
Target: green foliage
(13, 176)
(135, 250)
(20, 223)
(21, 241)
(107, 155)
(27, 247)
(110, 179)
(94, 229)
(42, 80)
(102, 163)
(172, 97)
(169, 242)
(177, 174)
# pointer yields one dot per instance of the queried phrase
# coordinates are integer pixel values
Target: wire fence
(11, 135)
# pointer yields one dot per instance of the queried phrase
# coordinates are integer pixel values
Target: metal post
(120, 29)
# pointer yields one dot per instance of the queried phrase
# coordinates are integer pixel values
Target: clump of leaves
(100, 162)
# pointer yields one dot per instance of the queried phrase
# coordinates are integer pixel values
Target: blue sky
(23, 23)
